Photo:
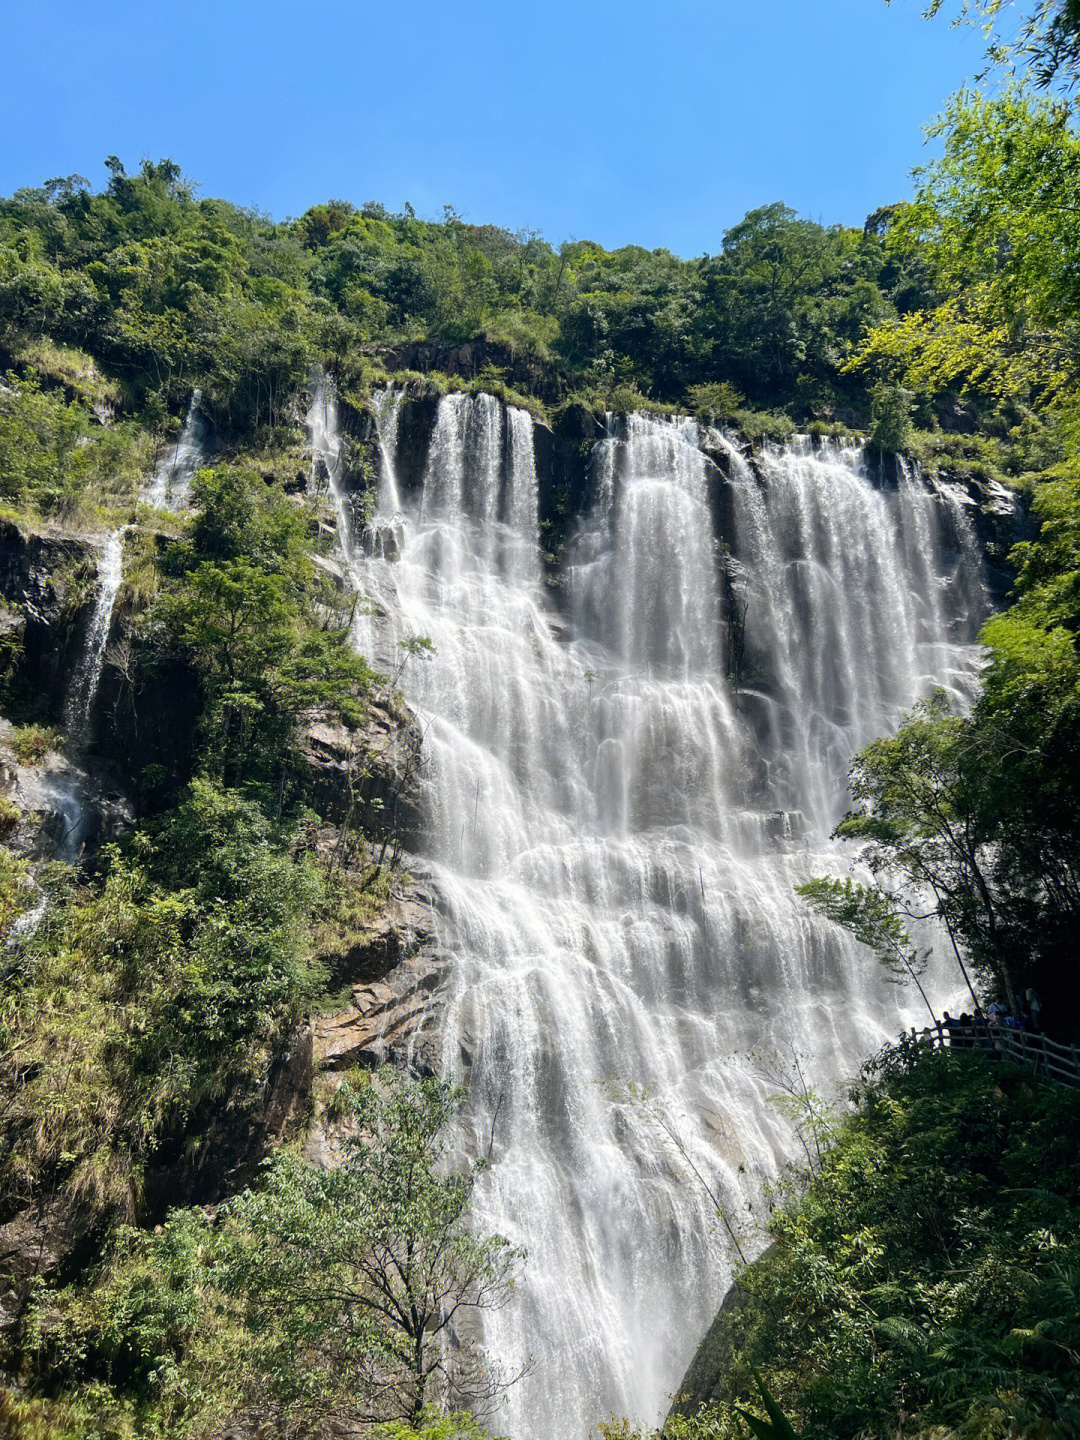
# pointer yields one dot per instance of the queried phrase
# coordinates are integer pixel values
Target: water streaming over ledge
(170, 486)
(615, 828)
(79, 710)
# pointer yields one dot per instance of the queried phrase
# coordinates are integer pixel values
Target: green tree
(992, 219)
(355, 1278)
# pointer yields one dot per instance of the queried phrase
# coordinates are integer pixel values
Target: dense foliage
(321, 1298)
(165, 291)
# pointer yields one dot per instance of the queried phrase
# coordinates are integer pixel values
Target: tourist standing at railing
(1034, 1006)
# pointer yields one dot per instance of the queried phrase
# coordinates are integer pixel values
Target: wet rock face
(369, 777)
(34, 570)
(721, 1346)
(42, 611)
(65, 805)
(395, 971)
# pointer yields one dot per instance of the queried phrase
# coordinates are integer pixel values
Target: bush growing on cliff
(56, 458)
(319, 1298)
(242, 602)
(142, 998)
(32, 743)
(890, 417)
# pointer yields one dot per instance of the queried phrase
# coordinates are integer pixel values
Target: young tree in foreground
(323, 1299)
(361, 1284)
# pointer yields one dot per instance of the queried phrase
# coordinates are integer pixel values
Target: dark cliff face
(46, 589)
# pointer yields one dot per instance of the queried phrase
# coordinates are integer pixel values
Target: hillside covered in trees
(179, 1256)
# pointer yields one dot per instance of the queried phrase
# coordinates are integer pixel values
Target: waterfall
(854, 609)
(615, 827)
(79, 711)
(170, 487)
(324, 440)
(24, 926)
(387, 407)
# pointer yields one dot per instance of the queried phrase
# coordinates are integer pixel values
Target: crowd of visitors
(970, 1030)
(995, 1030)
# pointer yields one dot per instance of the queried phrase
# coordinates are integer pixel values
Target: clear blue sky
(658, 124)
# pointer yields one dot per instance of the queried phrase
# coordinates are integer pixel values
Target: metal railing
(1052, 1062)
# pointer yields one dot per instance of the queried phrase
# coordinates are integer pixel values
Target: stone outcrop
(369, 777)
(396, 970)
(44, 607)
(717, 1354)
(396, 975)
(64, 804)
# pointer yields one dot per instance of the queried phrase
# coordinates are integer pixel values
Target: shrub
(715, 403)
(32, 743)
(10, 816)
(890, 417)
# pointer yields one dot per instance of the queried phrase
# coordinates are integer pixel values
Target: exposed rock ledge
(717, 1355)
(375, 769)
(394, 971)
(394, 1014)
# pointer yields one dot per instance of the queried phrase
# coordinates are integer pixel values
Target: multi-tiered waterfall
(615, 827)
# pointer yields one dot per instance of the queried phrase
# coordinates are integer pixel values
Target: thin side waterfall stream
(615, 828)
(170, 485)
(79, 710)
(64, 791)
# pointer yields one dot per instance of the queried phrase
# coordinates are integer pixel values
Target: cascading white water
(170, 487)
(79, 710)
(324, 440)
(853, 609)
(615, 832)
(387, 404)
(24, 926)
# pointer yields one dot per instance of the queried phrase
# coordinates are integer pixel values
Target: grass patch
(32, 743)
